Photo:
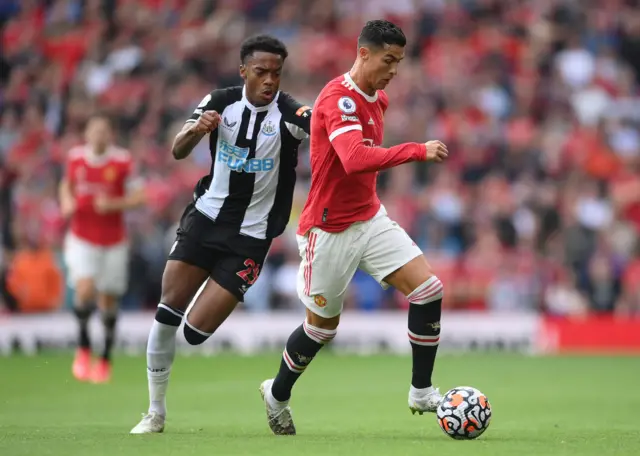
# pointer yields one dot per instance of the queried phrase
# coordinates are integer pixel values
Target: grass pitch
(343, 405)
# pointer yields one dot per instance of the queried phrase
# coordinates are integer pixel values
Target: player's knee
(84, 292)
(175, 299)
(167, 315)
(193, 335)
(431, 290)
(320, 335)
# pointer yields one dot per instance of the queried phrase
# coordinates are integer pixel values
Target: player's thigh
(187, 268)
(82, 260)
(232, 276)
(389, 250)
(236, 270)
(329, 261)
(113, 273)
(211, 307)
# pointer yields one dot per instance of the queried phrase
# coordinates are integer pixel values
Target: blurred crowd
(537, 100)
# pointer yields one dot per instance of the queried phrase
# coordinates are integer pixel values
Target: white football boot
(151, 423)
(278, 413)
(426, 400)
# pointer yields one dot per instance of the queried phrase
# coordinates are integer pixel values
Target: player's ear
(243, 71)
(364, 52)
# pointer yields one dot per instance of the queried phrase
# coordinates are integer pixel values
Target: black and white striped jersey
(254, 154)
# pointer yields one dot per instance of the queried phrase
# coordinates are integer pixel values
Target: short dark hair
(262, 43)
(380, 32)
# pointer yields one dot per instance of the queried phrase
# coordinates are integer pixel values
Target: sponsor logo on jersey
(228, 124)
(304, 111)
(268, 128)
(236, 159)
(320, 300)
(346, 118)
(371, 121)
(347, 105)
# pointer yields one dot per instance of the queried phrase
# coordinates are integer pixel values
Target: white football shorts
(378, 246)
(107, 266)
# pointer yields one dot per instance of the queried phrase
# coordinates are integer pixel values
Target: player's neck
(98, 151)
(358, 76)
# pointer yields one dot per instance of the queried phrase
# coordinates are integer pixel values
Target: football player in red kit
(98, 186)
(344, 227)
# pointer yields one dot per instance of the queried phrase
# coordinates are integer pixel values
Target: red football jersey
(346, 130)
(90, 176)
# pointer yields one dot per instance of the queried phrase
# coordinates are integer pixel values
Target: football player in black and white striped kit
(244, 202)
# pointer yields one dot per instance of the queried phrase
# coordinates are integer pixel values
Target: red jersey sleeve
(344, 129)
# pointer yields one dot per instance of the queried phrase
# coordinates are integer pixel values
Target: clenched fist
(207, 122)
(436, 151)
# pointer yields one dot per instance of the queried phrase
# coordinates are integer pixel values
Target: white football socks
(161, 350)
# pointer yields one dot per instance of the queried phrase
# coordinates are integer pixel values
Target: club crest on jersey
(347, 105)
(109, 174)
(268, 128)
(320, 300)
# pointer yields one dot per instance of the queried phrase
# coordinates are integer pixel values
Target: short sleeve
(340, 114)
(70, 163)
(217, 100)
(297, 117)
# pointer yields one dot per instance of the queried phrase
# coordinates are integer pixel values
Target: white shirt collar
(369, 98)
(253, 108)
(93, 159)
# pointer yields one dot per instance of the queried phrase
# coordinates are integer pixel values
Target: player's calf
(83, 309)
(193, 335)
(425, 311)
(303, 345)
(161, 350)
(211, 308)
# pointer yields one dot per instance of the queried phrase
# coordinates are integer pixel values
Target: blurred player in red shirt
(98, 186)
(344, 227)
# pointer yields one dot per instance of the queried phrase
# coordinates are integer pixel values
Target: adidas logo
(371, 121)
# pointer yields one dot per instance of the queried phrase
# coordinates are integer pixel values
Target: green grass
(343, 406)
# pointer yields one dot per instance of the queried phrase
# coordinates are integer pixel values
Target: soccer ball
(464, 413)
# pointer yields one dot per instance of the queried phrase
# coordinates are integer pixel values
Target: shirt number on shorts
(250, 275)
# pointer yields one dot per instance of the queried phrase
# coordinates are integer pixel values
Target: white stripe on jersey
(341, 130)
(211, 202)
(296, 131)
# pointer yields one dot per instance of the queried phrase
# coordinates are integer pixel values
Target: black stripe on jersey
(241, 184)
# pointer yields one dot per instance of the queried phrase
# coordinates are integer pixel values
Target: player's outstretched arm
(192, 133)
(358, 157)
(134, 198)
